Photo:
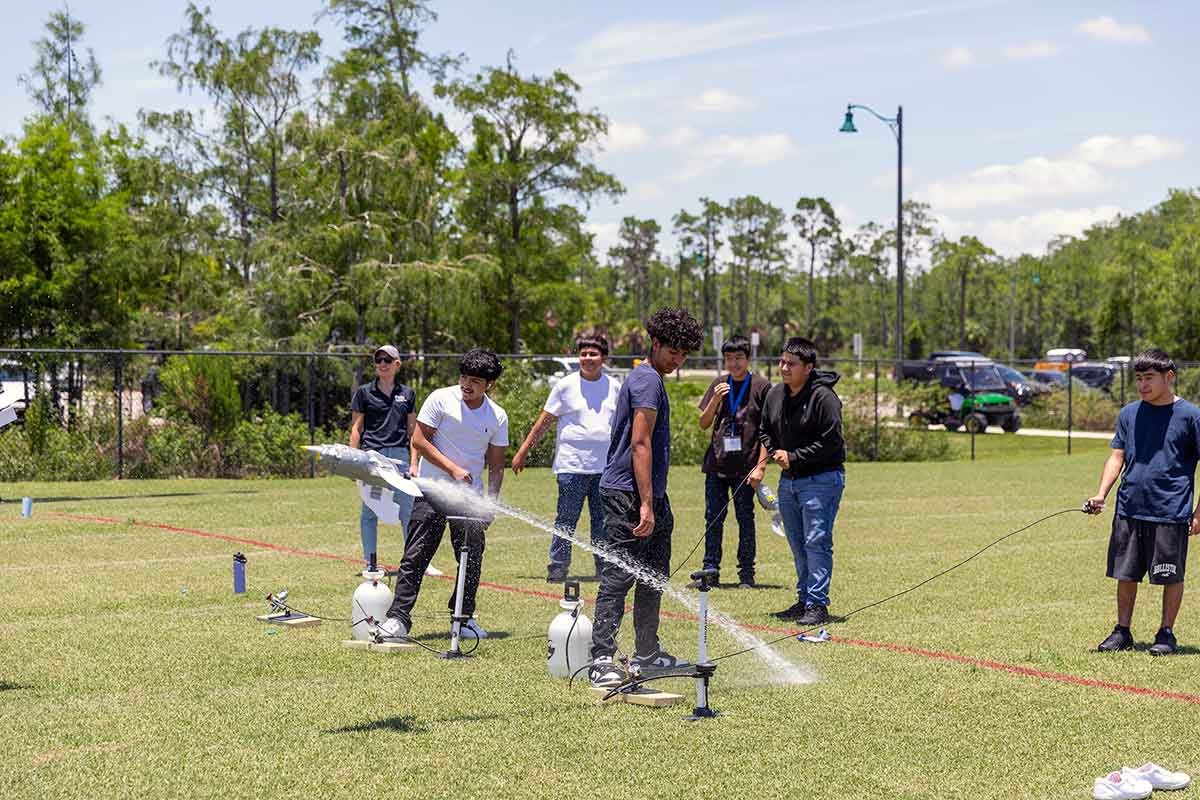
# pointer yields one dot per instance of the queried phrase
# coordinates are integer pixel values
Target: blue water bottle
(239, 573)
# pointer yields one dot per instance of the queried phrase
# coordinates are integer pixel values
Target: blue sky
(1023, 119)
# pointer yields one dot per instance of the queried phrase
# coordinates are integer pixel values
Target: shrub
(269, 446)
(1090, 411)
(202, 390)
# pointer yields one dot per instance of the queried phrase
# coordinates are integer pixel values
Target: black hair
(802, 349)
(675, 327)
(597, 341)
(736, 344)
(480, 363)
(1154, 360)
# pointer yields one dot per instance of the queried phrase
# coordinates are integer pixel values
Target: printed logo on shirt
(1163, 569)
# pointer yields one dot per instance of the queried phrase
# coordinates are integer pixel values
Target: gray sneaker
(659, 661)
(392, 630)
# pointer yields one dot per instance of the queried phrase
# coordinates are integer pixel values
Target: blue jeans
(572, 491)
(809, 506)
(716, 499)
(368, 522)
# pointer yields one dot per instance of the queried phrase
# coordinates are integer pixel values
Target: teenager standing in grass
(734, 462)
(1154, 453)
(582, 406)
(458, 431)
(802, 430)
(382, 417)
(633, 488)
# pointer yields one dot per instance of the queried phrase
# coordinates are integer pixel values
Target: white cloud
(1077, 172)
(750, 151)
(604, 236)
(647, 190)
(1031, 51)
(680, 137)
(957, 58)
(887, 180)
(1128, 151)
(624, 136)
(1109, 29)
(718, 101)
(1029, 233)
(627, 43)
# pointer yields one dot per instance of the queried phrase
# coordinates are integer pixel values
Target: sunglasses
(384, 360)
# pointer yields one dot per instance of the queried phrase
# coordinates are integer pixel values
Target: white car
(12, 386)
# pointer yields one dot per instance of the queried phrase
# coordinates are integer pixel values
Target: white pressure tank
(371, 599)
(569, 642)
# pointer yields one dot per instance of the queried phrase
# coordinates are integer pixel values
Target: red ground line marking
(998, 666)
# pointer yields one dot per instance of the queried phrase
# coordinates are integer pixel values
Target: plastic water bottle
(770, 502)
(26, 507)
(239, 573)
(569, 642)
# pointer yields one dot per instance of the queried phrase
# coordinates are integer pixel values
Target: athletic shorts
(1137, 547)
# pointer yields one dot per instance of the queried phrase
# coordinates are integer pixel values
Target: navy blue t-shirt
(1162, 446)
(385, 417)
(642, 389)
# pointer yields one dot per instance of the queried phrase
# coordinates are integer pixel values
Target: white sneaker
(1157, 777)
(434, 571)
(392, 630)
(471, 630)
(1114, 786)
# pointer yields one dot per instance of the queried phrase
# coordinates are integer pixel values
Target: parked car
(1096, 374)
(1057, 380)
(12, 386)
(1020, 388)
(1057, 359)
(980, 392)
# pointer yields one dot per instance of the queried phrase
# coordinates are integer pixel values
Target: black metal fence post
(970, 419)
(310, 412)
(119, 386)
(875, 442)
(1070, 405)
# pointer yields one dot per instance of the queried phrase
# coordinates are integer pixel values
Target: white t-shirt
(585, 413)
(463, 434)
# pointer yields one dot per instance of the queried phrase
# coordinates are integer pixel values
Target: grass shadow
(406, 723)
(5, 686)
(74, 499)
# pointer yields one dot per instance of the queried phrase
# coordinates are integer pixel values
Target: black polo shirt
(385, 417)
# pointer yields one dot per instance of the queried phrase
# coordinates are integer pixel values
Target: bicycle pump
(458, 619)
(704, 668)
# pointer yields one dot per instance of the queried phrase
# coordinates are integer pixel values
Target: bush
(202, 390)
(1090, 411)
(523, 397)
(895, 444)
(42, 450)
(269, 447)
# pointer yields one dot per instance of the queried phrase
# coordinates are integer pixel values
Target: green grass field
(129, 669)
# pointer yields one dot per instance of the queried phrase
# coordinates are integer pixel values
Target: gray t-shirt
(642, 389)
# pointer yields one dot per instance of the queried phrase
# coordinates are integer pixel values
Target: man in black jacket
(802, 431)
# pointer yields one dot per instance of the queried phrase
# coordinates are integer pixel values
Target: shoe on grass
(1158, 777)
(604, 674)
(433, 571)
(659, 661)
(1164, 643)
(747, 583)
(392, 630)
(794, 611)
(1115, 786)
(1119, 639)
(814, 615)
(471, 630)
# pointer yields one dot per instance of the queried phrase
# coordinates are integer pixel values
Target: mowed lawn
(129, 669)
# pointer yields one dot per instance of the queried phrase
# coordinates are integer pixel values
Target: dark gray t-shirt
(385, 416)
(642, 389)
(1162, 446)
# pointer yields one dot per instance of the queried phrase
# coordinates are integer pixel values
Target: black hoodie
(808, 425)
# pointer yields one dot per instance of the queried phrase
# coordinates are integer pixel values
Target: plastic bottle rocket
(371, 599)
(770, 502)
(239, 573)
(569, 642)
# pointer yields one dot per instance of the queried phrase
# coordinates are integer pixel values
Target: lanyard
(735, 404)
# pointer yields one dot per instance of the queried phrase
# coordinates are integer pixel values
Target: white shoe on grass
(1158, 777)
(434, 571)
(392, 630)
(471, 630)
(1115, 786)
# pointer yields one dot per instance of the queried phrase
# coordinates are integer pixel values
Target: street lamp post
(897, 126)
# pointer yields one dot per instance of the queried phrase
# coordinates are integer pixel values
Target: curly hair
(675, 327)
(592, 339)
(480, 363)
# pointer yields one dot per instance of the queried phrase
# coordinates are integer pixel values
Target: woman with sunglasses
(383, 414)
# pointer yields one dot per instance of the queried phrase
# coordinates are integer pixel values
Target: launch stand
(280, 614)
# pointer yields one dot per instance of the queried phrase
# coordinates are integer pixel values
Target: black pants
(425, 531)
(716, 496)
(653, 552)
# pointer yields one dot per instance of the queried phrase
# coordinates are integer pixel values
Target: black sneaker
(814, 615)
(659, 661)
(795, 611)
(1119, 639)
(746, 583)
(604, 674)
(1164, 643)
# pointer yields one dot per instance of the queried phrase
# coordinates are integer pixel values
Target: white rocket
(377, 475)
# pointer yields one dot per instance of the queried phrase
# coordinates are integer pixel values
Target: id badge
(731, 441)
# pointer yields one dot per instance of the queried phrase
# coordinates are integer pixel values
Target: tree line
(324, 203)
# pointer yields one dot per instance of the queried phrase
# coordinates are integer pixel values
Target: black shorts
(1137, 547)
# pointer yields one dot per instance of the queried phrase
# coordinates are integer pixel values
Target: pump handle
(571, 590)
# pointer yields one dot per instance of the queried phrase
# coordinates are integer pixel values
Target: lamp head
(848, 123)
